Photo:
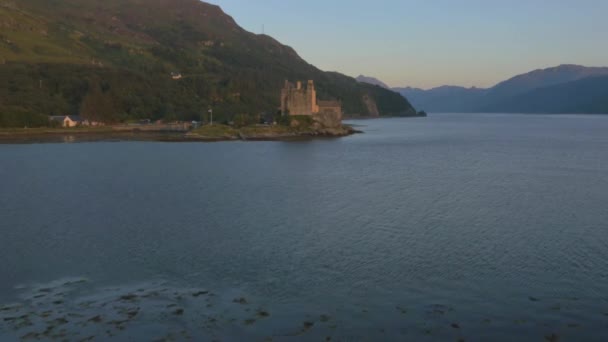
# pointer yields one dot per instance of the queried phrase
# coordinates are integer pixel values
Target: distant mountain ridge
(443, 99)
(566, 88)
(543, 78)
(587, 95)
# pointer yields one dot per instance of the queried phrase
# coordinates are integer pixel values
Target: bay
(456, 226)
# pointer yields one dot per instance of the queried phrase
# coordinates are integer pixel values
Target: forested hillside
(113, 60)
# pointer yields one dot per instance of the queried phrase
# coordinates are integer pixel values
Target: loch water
(455, 227)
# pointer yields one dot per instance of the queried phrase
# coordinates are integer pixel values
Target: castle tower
(311, 97)
(285, 95)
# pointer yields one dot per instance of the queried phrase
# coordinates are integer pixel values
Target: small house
(72, 121)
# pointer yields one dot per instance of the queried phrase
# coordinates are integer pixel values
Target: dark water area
(446, 228)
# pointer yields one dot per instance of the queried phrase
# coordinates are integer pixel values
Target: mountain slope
(112, 60)
(371, 80)
(542, 78)
(447, 99)
(588, 95)
(504, 96)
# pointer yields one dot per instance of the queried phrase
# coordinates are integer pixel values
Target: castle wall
(333, 108)
(328, 119)
(299, 103)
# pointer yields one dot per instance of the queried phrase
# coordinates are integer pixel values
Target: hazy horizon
(425, 45)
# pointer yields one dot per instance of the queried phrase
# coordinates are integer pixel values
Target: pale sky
(428, 43)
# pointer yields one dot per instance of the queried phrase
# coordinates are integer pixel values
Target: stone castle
(295, 100)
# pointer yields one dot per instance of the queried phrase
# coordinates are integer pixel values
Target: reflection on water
(68, 138)
(90, 137)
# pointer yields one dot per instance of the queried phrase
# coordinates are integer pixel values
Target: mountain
(542, 78)
(444, 98)
(588, 95)
(116, 60)
(503, 97)
(371, 80)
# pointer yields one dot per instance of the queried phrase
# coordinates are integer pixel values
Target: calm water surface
(452, 227)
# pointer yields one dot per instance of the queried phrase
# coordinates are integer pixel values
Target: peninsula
(300, 115)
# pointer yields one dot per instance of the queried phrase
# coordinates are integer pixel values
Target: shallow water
(474, 227)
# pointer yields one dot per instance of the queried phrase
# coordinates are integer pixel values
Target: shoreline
(225, 133)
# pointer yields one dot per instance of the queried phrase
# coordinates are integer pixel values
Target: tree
(97, 105)
(283, 118)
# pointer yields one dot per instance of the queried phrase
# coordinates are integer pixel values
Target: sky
(428, 43)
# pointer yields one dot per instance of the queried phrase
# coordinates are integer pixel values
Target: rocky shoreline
(270, 134)
(225, 133)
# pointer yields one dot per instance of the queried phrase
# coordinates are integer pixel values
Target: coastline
(214, 133)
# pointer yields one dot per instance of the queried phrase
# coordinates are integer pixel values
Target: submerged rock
(96, 319)
(31, 336)
(59, 321)
(263, 313)
(241, 300)
(11, 307)
(129, 297)
(75, 281)
(308, 325)
(132, 313)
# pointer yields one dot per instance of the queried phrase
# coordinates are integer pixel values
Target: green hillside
(112, 60)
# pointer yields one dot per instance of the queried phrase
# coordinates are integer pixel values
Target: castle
(296, 100)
